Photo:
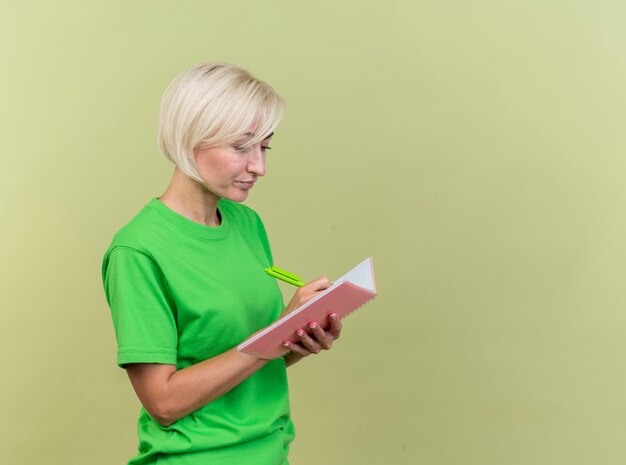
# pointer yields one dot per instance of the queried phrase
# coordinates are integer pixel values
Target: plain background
(475, 149)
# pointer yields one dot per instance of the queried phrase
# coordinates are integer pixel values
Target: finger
(322, 338)
(335, 326)
(318, 284)
(311, 290)
(308, 342)
(297, 348)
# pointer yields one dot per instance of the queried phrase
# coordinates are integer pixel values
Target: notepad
(347, 294)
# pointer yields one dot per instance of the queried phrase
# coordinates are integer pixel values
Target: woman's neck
(190, 199)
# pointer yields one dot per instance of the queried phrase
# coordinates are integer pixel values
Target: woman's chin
(238, 196)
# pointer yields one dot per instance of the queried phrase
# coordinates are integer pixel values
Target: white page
(361, 275)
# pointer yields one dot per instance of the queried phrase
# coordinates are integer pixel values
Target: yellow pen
(284, 276)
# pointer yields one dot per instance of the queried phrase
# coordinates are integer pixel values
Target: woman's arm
(169, 394)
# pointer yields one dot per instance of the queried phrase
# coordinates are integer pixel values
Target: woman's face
(229, 172)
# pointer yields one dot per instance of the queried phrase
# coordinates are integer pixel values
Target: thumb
(318, 284)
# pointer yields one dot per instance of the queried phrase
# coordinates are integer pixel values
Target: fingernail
(333, 316)
(286, 344)
(312, 325)
(300, 332)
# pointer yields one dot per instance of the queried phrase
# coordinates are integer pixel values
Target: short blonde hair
(215, 104)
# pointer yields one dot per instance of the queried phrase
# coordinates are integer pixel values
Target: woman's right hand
(306, 293)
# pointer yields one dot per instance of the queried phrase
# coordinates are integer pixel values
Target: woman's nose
(256, 162)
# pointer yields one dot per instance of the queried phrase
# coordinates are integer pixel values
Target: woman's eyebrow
(252, 134)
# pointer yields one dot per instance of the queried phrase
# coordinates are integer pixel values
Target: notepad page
(361, 275)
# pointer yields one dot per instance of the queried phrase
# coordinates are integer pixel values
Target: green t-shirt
(181, 292)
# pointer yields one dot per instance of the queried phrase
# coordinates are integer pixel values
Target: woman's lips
(246, 184)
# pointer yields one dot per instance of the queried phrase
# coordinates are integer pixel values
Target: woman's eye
(247, 149)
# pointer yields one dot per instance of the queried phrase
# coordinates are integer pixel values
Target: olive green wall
(475, 149)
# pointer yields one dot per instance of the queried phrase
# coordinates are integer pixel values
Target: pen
(284, 276)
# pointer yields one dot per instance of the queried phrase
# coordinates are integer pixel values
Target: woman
(185, 283)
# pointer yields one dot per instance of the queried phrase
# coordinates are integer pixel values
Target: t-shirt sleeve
(143, 316)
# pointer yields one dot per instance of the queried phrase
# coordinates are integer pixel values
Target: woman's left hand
(318, 340)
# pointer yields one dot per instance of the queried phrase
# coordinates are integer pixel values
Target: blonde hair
(215, 104)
